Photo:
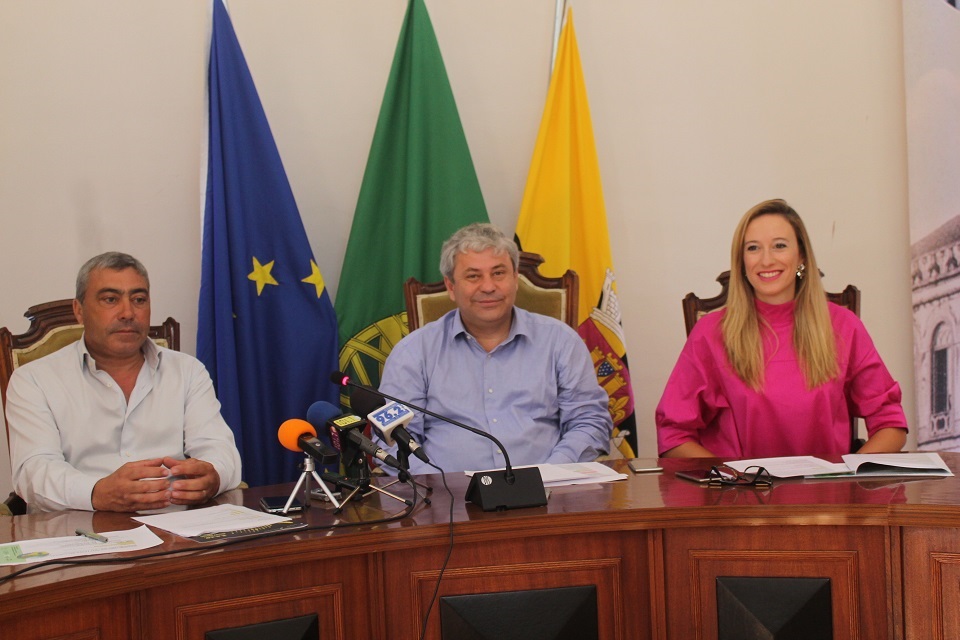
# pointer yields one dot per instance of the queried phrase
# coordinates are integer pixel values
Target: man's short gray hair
(113, 260)
(478, 236)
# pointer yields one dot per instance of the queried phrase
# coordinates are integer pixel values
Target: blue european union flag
(267, 330)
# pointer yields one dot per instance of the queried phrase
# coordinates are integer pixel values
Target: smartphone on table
(276, 504)
(644, 465)
(696, 475)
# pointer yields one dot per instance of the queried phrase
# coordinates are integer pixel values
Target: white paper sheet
(42, 549)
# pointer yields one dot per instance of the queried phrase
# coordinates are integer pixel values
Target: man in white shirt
(114, 422)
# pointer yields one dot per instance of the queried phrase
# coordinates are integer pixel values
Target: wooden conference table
(656, 553)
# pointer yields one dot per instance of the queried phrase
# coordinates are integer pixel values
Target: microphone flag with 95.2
(390, 419)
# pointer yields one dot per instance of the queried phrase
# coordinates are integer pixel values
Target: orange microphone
(299, 435)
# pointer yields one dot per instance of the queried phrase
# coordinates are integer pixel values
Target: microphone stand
(515, 489)
(362, 484)
(309, 469)
(404, 475)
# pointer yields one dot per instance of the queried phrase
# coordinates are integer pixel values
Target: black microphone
(389, 419)
(346, 434)
(515, 489)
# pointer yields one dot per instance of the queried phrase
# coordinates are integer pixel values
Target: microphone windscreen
(339, 378)
(364, 402)
(291, 430)
(321, 411)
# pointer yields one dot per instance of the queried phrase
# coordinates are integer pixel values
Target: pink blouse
(706, 402)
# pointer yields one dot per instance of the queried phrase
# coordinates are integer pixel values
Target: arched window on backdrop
(940, 400)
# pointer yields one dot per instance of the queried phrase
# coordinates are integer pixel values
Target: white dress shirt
(70, 424)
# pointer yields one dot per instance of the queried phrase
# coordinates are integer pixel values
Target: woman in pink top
(779, 370)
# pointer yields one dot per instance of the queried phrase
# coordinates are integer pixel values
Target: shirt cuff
(80, 492)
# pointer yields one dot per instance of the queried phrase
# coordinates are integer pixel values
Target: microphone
(390, 419)
(346, 435)
(299, 435)
(515, 489)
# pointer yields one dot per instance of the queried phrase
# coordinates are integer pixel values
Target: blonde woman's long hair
(813, 337)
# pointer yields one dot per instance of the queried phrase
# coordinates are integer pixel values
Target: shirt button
(489, 390)
(494, 421)
(499, 453)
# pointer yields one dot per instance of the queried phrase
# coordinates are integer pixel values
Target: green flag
(418, 188)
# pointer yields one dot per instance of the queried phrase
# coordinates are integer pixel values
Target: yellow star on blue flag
(261, 274)
(315, 278)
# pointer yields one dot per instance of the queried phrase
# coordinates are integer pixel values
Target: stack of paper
(853, 466)
(223, 517)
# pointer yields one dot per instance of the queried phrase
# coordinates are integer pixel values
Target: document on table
(43, 549)
(559, 475)
(222, 517)
(854, 465)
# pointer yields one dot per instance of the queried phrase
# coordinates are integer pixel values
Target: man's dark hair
(113, 260)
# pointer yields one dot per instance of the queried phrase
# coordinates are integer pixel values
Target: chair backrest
(52, 327)
(554, 297)
(695, 308)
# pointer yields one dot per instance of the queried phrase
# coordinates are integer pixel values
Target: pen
(91, 535)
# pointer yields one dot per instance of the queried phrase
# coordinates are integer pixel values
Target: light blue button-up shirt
(536, 392)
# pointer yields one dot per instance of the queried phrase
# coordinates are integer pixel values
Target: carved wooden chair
(52, 327)
(695, 307)
(554, 297)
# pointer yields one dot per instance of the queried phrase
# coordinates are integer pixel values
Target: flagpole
(205, 143)
(559, 12)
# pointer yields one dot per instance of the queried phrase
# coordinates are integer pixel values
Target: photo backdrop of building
(932, 77)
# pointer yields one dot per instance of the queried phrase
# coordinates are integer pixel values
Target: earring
(800, 269)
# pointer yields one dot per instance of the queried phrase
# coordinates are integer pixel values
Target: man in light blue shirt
(525, 378)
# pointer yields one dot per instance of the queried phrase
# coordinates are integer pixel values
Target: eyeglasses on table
(722, 475)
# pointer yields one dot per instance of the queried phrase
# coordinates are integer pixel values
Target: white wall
(701, 109)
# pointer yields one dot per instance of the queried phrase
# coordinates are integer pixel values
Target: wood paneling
(853, 558)
(100, 619)
(614, 563)
(335, 589)
(931, 568)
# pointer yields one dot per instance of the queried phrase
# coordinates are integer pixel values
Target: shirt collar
(519, 327)
(776, 314)
(151, 353)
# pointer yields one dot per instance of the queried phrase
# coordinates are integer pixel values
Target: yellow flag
(563, 218)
